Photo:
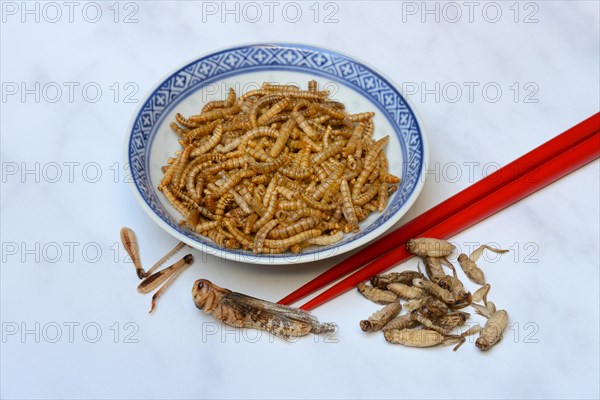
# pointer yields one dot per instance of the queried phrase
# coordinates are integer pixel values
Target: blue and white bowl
(360, 87)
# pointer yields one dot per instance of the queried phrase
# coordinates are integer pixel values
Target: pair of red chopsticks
(545, 164)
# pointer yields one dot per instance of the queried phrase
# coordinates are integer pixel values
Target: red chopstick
(452, 205)
(561, 165)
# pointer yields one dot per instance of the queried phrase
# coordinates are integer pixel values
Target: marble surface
(73, 325)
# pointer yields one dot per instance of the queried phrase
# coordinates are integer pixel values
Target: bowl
(361, 88)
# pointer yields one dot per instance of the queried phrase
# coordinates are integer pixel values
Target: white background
(549, 283)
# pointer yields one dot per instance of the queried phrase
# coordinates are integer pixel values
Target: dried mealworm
(327, 240)
(222, 204)
(293, 229)
(215, 138)
(377, 295)
(380, 318)
(367, 196)
(268, 214)
(347, 207)
(287, 242)
(274, 110)
(383, 196)
(370, 164)
(261, 235)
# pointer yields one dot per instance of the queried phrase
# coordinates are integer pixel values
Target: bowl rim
(266, 259)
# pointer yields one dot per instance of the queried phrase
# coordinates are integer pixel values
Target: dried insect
(377, 295)
(419, 337)
(406, 292)
(405, 277)
(243, 311)
(401, 322)
(481, 294)
(428, 247)
(380, 318)
(453, 320)
(154, 280)
(433, 267)
(168, 283)
(469, 266)
(209, 144)
(347, 207)
(433, 308)
(130, 244)
(326, 240)
(429, 324)
(261, 235)
(435, 290)
(164, 259)
(492, 331)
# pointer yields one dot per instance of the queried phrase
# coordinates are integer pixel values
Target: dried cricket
(243, 311)
(380, 318)
(481, 294)
(428, 247)
(470, 268)
(434, 269)
(419, 337)
(376, 295)
(435, 290)
(405, 277)
(492, 331)
(406, 292)
(277, 153)
(401, 322)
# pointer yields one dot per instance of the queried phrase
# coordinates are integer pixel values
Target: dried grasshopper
(428, 247)
(243, 311)
(380, 318)
(405, 277)
(469, 266)
(130, 243)
(376, 295)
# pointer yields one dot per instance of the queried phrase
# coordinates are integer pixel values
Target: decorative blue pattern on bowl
(301, 58)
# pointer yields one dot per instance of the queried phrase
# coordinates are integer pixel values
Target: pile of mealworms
(277, 168)
(432, 302)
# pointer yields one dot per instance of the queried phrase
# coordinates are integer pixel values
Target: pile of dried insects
(433, 300)
(277, 168)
